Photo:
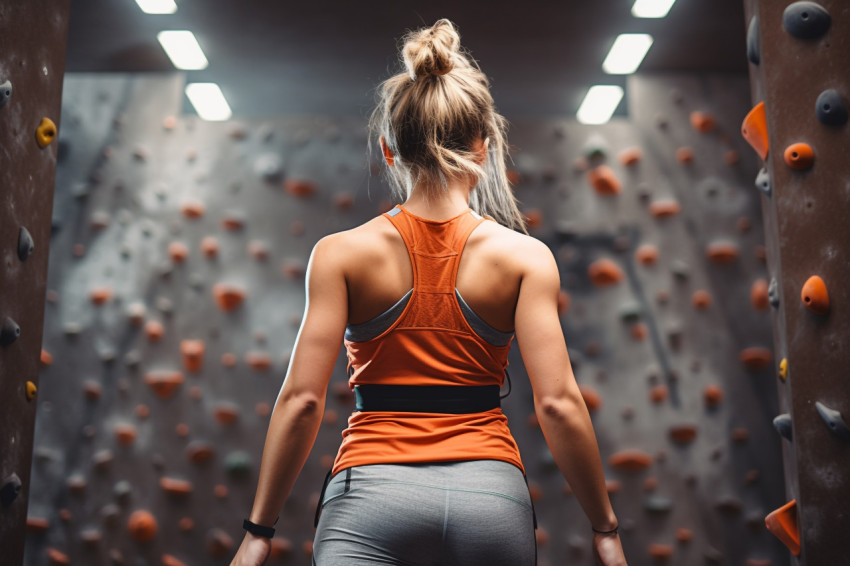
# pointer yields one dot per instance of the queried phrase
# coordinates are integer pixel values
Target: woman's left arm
(300, 404)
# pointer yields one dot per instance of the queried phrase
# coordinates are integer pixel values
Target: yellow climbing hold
(783, 369)
(45, 133)
(31, 390)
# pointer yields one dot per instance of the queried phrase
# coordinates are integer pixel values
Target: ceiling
(325, 57)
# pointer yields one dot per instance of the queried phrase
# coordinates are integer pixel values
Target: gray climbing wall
(799, 70)
(176, 290)
(32, 63)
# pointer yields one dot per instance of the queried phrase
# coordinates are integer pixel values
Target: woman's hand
(254, 551)
(607, 550)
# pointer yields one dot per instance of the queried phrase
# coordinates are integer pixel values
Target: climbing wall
(32, 63)
(176, 290)
(798, 129)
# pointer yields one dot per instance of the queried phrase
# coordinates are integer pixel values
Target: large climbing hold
(815, 296)
(806, 20)
(142, 525)
(830, 108)
(9, 332)
(799, 156)
(784, 427)
(834, 421)
(754, 130)
(45, 133)
(26, 245)
(604, 181)
(783, 524)
(753, 49)
(5, 92)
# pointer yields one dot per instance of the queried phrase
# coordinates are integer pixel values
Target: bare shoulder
(526, 253)
(357, 244)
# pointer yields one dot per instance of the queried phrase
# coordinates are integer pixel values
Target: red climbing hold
(799, 156)
(605, 272)
(683, 434)
(591, 397)
(756, 358)
(193, 354)
(665, 208)
(814, 295)
(630, 156)
(722, 252)
(142, 526)
(783, 524)
(754, 130)
(701, 299)
(647, 254)
(259, 361)
(175, 487)
(604, 181)
(100, 295)
(299, 187)
(703, 122)
(178, 251)
(685, 155)
(125, 433)
(192, 209)
(660, 552)
(164, 383)
(228, 297)
(759, 295)
(713, 396)
(630, 460)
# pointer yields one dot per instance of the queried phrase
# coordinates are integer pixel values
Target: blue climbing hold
(5, 93)
(753, 52)
(830, 108)
(806, 20)
(763, 181)
(782, 423)
(834, 421)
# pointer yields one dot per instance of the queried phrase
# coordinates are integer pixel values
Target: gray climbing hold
(782, 423)
(10, 332)
(834, 421)
(595, 149)
(269, 167)
(806, 20)
(830, 108)
(658, 504)
(122, 490)
(753, 52)
(238, 464)
(763, 181)
(630, 311)
(773, 293)
(10, 489)
(5, 93)
(679, 268)
(26, 245)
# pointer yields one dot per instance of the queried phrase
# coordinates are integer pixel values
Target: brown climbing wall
(176, 290)
(32, 64)
(799, 70)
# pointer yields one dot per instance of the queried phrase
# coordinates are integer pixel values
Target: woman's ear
(480, 149)
(388, 153)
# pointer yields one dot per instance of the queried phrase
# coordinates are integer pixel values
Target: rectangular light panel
(209, 102)
(599, 104)
(626, 54)
(652, 8)
(183, 50)
(157, 6)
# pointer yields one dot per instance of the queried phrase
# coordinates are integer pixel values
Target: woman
(427, 298)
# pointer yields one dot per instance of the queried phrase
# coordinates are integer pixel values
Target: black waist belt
(453, 399)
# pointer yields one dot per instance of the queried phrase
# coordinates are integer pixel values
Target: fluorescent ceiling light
(157, 6)
(626, 54)
(599, 104)
(183, 50)
(208, 101)
(652, 8)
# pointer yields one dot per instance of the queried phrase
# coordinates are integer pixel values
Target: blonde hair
(430, 116)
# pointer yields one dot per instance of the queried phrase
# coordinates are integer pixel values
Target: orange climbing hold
(630, 460)
(192, 209)
(232, 222)
(299, 187)
(683, 434)
(647, 254)
(660, 552)
(665, 208)
(154, 330)
(783, 524)
(563, 302)
(701, 299)
(193, 354)
(605, 272)
(722, 252)
(178, 251)
(659, 393)
(799, 156)
(630, 156)
(226, 414)
(754, 130)
(100, 295)
(175, 487)
(684, 535)
(209, 246)
(533, 218)
(685, 155)
(259, 361)
(46, 358)
(759, 296)
(227, 296)
(591, 397)
(142, 525)
(125, 433)
(170, 560)
(814, 295)
(57, 558)
(713, 396)
(703, 122)
(37, 524)
(756, 358)
(164, 383)
(199, 452)
(604, 181)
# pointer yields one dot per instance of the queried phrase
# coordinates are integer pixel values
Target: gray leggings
(468, 513)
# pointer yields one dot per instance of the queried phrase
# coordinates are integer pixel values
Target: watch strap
(258, 530)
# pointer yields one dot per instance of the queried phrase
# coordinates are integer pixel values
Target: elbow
(560, 409)
(302, 405)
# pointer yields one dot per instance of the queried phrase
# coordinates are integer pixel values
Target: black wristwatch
(258, 530)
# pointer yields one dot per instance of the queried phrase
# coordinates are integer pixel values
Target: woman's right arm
(558, 403)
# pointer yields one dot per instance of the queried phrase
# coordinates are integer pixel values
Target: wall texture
(799, 71)
(32, 63)
(176, 289)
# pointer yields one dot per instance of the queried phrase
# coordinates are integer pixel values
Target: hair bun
(431, 51)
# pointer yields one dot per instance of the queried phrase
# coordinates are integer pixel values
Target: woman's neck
(445, 205)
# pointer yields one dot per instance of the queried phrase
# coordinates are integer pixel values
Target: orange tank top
(430, 343)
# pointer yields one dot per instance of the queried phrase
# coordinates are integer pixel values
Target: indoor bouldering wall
(798, 128)
(175, 292)
(32, 64)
